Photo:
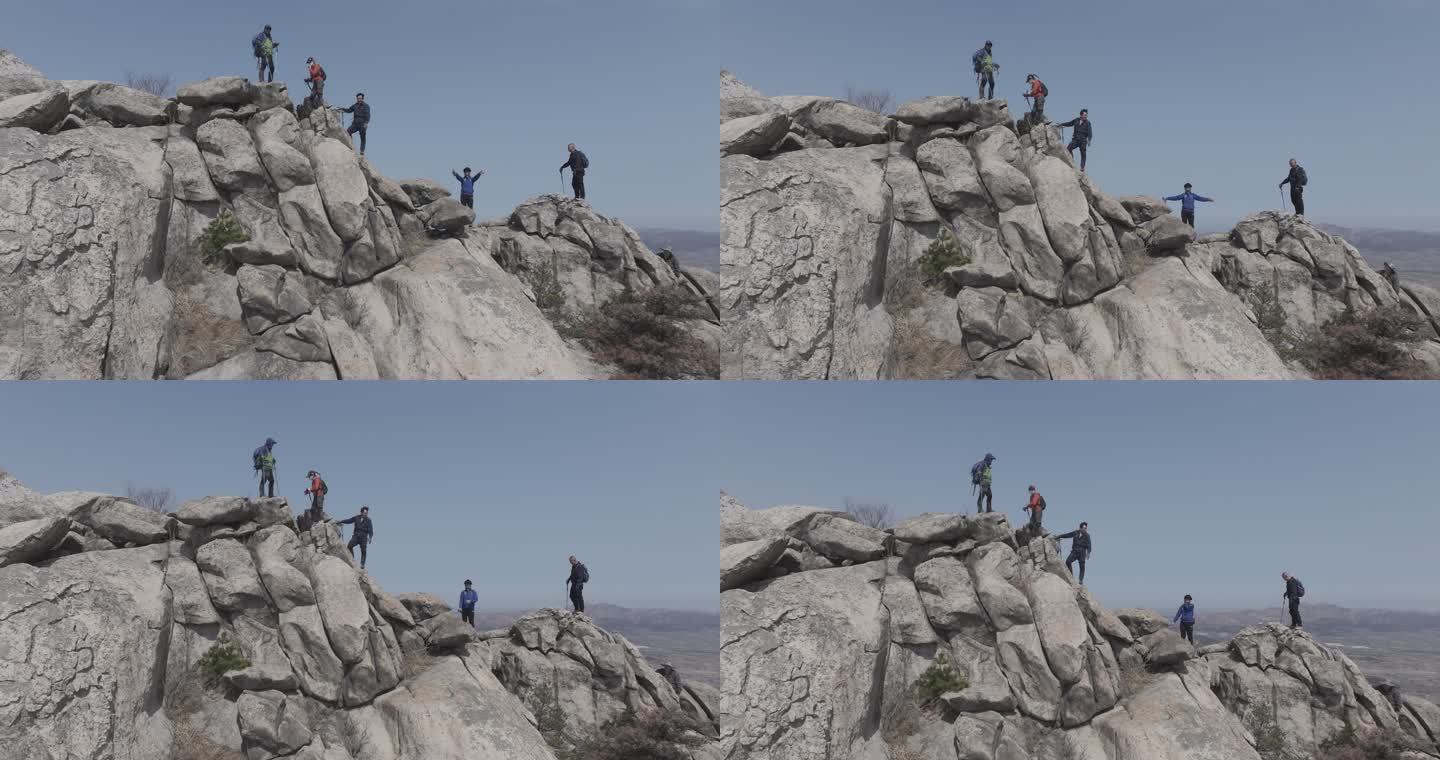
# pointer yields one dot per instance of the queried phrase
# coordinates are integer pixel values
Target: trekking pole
(1283, 206)
(562, 182)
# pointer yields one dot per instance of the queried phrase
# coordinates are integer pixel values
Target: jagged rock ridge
(98, 646)
(104, 191)
(826, 208)
(827, 624)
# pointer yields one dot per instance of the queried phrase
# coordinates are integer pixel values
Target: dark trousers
(467, 200)
(1187, 632)
(1037, 112)
(1076, 142)
(1188, 216)
(267, 476)
(1035, 517)
(265, 62)
(986, 498)
(987, 78)
(577, 181)
(317, 92)
(359, 126)
(1294, 612)
(577, 596)
(1072, 559)
(1297, 199)
(468, 615)
(317, 508)
(361, 540)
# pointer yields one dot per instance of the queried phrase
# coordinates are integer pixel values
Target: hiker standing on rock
(316, 492)
(1297, 180)
(980, 476)
(1081, 137)
(1186, 616)
(1079, 549)
(1390, 275)
(315, 77)
(467, 186)
(363, 535)
(579, 576)
(468, 598)
(1187, 204)
(1036, 508)
(985, 68)
(264, 460)
(577, 163)
(1037, 94)
(1294, 589)
(264, 48)
(361, 122)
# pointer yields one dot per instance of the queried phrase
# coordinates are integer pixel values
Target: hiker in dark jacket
(578, 576)
(1081, 137)
(264, 46)
(1186, 616)
(985, 67)
(363, 535)
(264, 460)
(1187, 204)
(467, 186)
(577, 163)
(1390, 275)
(980, 476)
(361, 109)
(1079, 549)
(1297, 180)
(468, 598)
(1294, 589)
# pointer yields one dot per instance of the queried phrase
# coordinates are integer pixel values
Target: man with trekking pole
(577, 163)
(1297, 180)
(579, 576)
(1294, 589)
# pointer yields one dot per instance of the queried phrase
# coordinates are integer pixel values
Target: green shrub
(1269, 738)
(642, 335)
(222, 657)
(550, 720)
(223, 231)
(651, 736)
(944, 252)
(1367, 744)
(1270, 318)
(937, 680)
(1369, 345)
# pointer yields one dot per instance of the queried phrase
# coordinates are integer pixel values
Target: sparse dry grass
(916, 354)
(648, 736)
(642, 335)
(189, 740)
(416, 663)
(202, 338)
(1133, 680)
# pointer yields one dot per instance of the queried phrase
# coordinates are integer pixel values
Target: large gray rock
(216, 91)
(949, 596)
(276, 551)
(190, 598)
(424, 192)
(447, 216)
(422, 606)
(841, 538)
(123, 522)
(932, 528)
(748, 561)
(343, 606)
(271, 725)
(841, 123)
(31, 540)
(946, 109)
(1142, 622)
(1165, 647)
(317, 670)
(752, 135)
(1173, 719)
(1063, 632)
(121, 106)
(37, 110)
(993, 566)
(270, 296)
(230, 156)
(213, 510)
(230, 576)
(447, 633)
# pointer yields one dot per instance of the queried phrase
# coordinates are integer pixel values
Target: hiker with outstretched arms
(1187, 204)
(468, 598)
(1037, 93)
(579, 576)
(577, 163)
(315, 77)
(467, 186)
(361, 122)
(264, 46)
(980, 476)
(985, 67)
(1297, 180)
(1079, 549)
(316, 491)
(264, 461)
(1081, 137)
(1294, 589)
(1186, 616)
(362, 536)
(1036, 508)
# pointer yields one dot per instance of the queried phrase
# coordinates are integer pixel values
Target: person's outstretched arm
(1203, 198)
(1175, 198)
(456, 175)
(348, 522)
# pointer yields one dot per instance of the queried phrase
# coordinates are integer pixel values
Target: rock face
(99, 646)
(103, 277)
(820, 661)
(824, 216)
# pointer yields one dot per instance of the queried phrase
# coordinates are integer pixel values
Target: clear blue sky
(1219, 93)
(1210, 489)
(497, 482)
(499, 85)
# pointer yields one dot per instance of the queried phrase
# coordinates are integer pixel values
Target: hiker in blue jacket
(985, 67)
(264, 46)
(264, 461)
(1186, 616)
(467, 186)
(980, 475)
(468, 598)
(1187, 204)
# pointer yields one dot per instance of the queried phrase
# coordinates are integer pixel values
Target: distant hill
(696, 248)
(688, 640)
(1413, 253)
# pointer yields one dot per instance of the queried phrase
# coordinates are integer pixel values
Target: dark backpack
(324, 487)
(255, 44)
(322, 74)
(1299, 588)
(976, 471)
(1304, 179)
(584, 572)
(584, 161)
(1044, 91)
(1042, 502)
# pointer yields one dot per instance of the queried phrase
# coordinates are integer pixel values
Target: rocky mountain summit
(110, 612)
(337, 271)
(827, 209)
(828, 625)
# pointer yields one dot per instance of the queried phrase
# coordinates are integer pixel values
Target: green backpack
(267, 48)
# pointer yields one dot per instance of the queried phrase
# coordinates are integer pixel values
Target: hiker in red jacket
(316, 492)
(1037, 93)
(1036, 508)
(316, 80)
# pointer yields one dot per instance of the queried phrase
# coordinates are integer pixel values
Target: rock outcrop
(826, 211)
(100, 646)
(821, 653)
(106, 191)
